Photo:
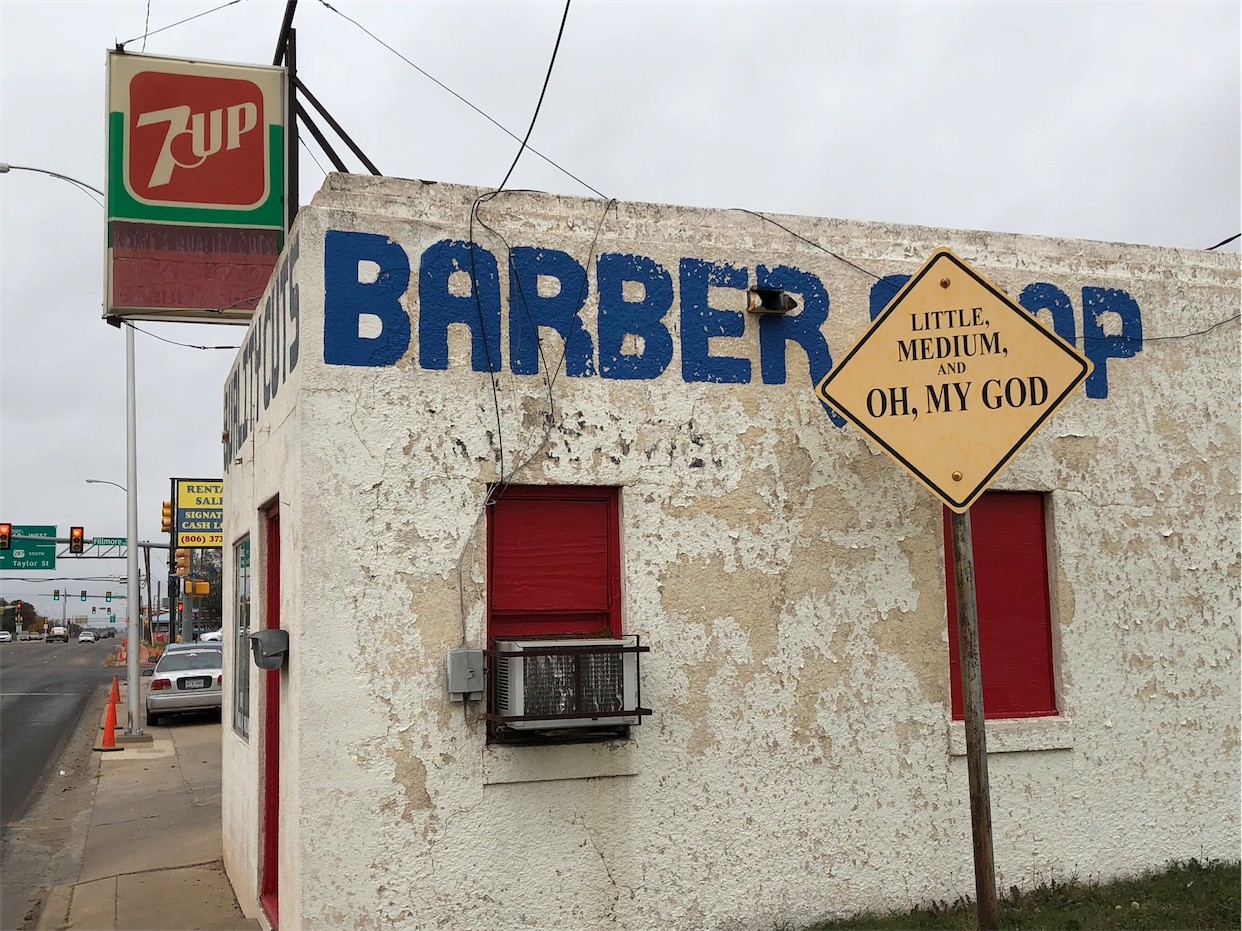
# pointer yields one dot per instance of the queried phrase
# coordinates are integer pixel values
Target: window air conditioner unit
(543, 684)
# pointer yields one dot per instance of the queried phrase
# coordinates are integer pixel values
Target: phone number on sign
(200, 539)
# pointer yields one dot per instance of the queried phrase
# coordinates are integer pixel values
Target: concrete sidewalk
(153, 852)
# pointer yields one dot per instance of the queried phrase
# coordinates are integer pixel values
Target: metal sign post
(952, 379)
(187, 605)
(972, 705)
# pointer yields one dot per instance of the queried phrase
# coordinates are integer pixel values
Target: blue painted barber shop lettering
(367, 275)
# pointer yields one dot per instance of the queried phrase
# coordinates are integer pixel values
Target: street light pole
(132, 679)
(104, 481)
(133, 626)
(133, 596)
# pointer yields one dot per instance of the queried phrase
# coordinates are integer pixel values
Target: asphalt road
(44, 689)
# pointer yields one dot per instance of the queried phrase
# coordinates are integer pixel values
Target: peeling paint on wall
(800, 761)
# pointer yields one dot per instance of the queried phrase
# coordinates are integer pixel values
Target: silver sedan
(185, 680)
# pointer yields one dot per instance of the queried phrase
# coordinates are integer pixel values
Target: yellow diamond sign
(953, 378)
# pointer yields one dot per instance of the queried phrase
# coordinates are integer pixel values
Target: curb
(54, 914)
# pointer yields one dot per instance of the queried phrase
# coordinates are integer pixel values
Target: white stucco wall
(789, 578)
(262, 408)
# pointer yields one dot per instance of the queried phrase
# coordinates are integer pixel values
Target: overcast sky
(1112, 121)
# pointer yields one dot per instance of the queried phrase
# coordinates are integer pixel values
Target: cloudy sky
(1111, 121)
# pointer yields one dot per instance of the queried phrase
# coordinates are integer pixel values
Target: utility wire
(1224, 242)
(482, 113)
(318, 164)
(809, 242)
(1143, 339)
(1157, 339)
(175, 343)
(121, 45)
(146, 26)
(547, 77)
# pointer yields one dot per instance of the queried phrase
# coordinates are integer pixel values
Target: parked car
(5, 636)
(188, 678)
(182, 647)
(211, 635)
(86, 637)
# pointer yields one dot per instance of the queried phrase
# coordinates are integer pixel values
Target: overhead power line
(1224, 242)
(478, 110)
(547, 77)
(155, 32)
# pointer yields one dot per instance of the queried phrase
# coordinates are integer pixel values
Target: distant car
(86, 637)
(188, 678)
(210, 636)
(5, 637)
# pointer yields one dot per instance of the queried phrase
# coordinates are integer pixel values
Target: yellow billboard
(198, 512)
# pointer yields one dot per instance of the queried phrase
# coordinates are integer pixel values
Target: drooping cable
(173, 342)
(478, 110)
(546, 78)
(156, 32)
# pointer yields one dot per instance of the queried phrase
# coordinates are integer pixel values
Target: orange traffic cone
(115, 695)
(109, 730)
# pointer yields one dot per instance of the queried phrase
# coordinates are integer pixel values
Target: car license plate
(195, 683)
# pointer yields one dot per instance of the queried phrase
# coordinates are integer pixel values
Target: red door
(270, 866)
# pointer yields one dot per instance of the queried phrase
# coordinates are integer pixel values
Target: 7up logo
(196, 140)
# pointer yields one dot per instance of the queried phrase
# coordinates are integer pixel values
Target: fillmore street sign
(953, 378)
(196, 166)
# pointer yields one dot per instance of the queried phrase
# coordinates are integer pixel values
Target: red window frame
(1010, 548)
(553, 562)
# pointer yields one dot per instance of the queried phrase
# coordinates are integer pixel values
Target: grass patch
(1184, 896)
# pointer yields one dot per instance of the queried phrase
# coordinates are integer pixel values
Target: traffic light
(6, 534)
(76, 539)
(107, 596)
(17, 606)
(183, 562)
(92, 609)
(180, 607)
(166, 520)
(83, 594)
(56, 594)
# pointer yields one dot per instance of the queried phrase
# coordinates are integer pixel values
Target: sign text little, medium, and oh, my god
(953, 378)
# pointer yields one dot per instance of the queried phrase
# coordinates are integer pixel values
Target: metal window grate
(561, 682)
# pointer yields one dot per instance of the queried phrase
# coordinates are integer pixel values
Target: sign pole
(972, 705)
(133, 633)
(187, 603)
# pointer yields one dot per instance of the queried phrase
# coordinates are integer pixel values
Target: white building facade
(469, 419)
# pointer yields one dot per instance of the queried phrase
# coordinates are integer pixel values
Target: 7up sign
(195, 139)
(195, 187)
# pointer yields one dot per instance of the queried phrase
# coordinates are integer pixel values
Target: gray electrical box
(465, 674)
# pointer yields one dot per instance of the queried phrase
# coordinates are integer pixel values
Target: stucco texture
(800, 761)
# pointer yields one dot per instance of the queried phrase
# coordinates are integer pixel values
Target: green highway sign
(27, 554)
(109, 541)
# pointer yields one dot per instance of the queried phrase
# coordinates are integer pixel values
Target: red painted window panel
(1015, 618)
(554, 565)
